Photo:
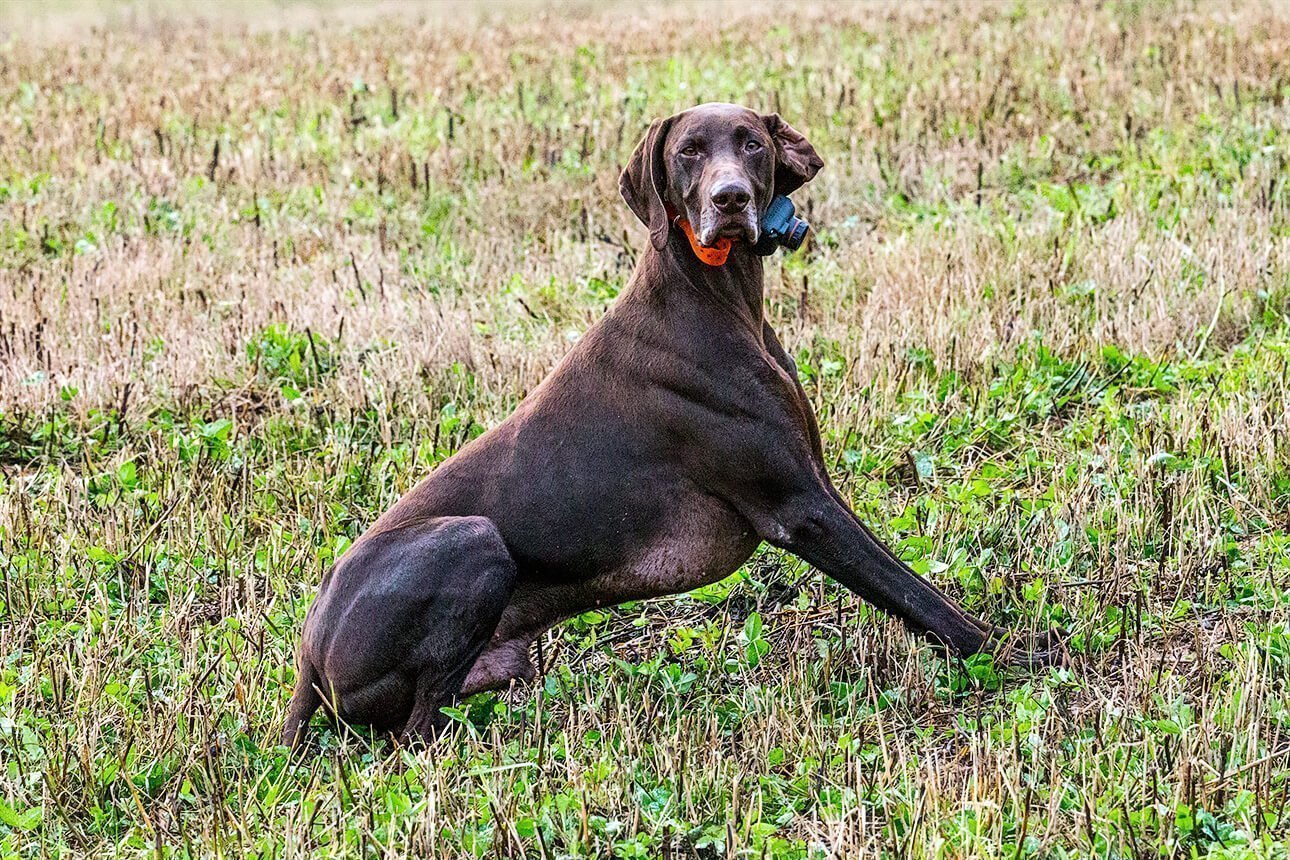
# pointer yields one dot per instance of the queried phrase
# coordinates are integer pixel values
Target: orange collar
(712, 255)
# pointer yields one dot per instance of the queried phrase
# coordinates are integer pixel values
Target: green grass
(256, 285)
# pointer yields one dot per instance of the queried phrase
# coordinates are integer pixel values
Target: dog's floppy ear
(796, 161)
(643, 181)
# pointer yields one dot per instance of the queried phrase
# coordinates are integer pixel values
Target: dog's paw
(1027, 650)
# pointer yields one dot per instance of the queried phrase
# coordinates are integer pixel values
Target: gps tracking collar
(780, 226)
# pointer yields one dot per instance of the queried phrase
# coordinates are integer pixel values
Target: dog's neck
(735, 285)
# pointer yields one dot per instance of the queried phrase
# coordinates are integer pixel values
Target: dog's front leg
(820, 529)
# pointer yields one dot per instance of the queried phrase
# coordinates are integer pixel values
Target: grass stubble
(256, 281)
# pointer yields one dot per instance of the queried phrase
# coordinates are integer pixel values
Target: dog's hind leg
(460, 580)
(399, 622)
(436, 690)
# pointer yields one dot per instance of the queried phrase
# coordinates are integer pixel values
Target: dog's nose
(731, 197)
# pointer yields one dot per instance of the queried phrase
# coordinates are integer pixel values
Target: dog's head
(717, 166)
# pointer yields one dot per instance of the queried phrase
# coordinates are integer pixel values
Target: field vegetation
(256, 280)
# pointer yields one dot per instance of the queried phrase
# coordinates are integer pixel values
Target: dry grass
(254, 282)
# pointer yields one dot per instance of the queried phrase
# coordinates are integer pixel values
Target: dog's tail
(304, 701)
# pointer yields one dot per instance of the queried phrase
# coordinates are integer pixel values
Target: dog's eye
(753, 145)
(690, 151)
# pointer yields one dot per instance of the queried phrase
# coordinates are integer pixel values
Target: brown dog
(669, 443)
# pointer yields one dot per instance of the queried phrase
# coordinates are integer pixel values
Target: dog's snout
(731, 197)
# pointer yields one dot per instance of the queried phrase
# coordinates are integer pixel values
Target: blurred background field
(262, 266)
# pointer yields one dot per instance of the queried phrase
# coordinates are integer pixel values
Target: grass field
(256, 282)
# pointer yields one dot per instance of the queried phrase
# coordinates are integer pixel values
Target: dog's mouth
(715, 225)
